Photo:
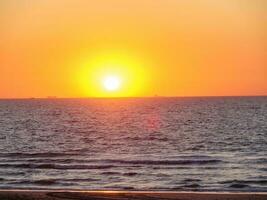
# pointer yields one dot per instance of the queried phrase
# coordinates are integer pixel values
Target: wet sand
(125, 195)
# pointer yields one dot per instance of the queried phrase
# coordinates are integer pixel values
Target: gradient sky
(168, 47)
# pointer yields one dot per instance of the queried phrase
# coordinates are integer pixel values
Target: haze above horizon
(124, 48)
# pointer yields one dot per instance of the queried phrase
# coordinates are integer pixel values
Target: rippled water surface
(134, 144)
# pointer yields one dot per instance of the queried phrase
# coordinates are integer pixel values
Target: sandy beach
(125, 195)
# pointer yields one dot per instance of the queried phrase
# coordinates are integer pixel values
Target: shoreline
(20, 194)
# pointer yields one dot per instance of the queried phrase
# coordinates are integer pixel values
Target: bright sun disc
(111, 83)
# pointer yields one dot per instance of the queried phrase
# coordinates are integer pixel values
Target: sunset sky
(72, 48)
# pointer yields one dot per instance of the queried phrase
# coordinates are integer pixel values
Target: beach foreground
(125, 195)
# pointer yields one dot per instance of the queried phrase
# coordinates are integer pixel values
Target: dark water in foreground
(177, 144)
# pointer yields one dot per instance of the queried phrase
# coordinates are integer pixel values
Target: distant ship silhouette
(51, 97)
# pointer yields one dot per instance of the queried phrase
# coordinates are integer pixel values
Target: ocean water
(177, 144)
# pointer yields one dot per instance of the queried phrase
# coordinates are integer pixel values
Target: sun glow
(112, 74)
(112, 83)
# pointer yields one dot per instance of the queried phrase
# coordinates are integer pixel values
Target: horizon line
(129, 97)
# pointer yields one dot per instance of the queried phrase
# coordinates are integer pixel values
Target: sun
(112, 83)
(112, 73)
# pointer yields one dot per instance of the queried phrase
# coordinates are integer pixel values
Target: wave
(191, 180)
(50, 181)
(193, 185)
(111, 173)
(130, 174)
(103, 164)
(260, 161)
(31, 155)
(261, 182)
(119, 173)
(168, 162)
(144, 162)
(34, 182)
(56, 166)
(45, 182)
(238, 185)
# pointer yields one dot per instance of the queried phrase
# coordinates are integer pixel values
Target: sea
(162, 144)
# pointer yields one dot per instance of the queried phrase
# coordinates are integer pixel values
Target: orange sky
(163, 47)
